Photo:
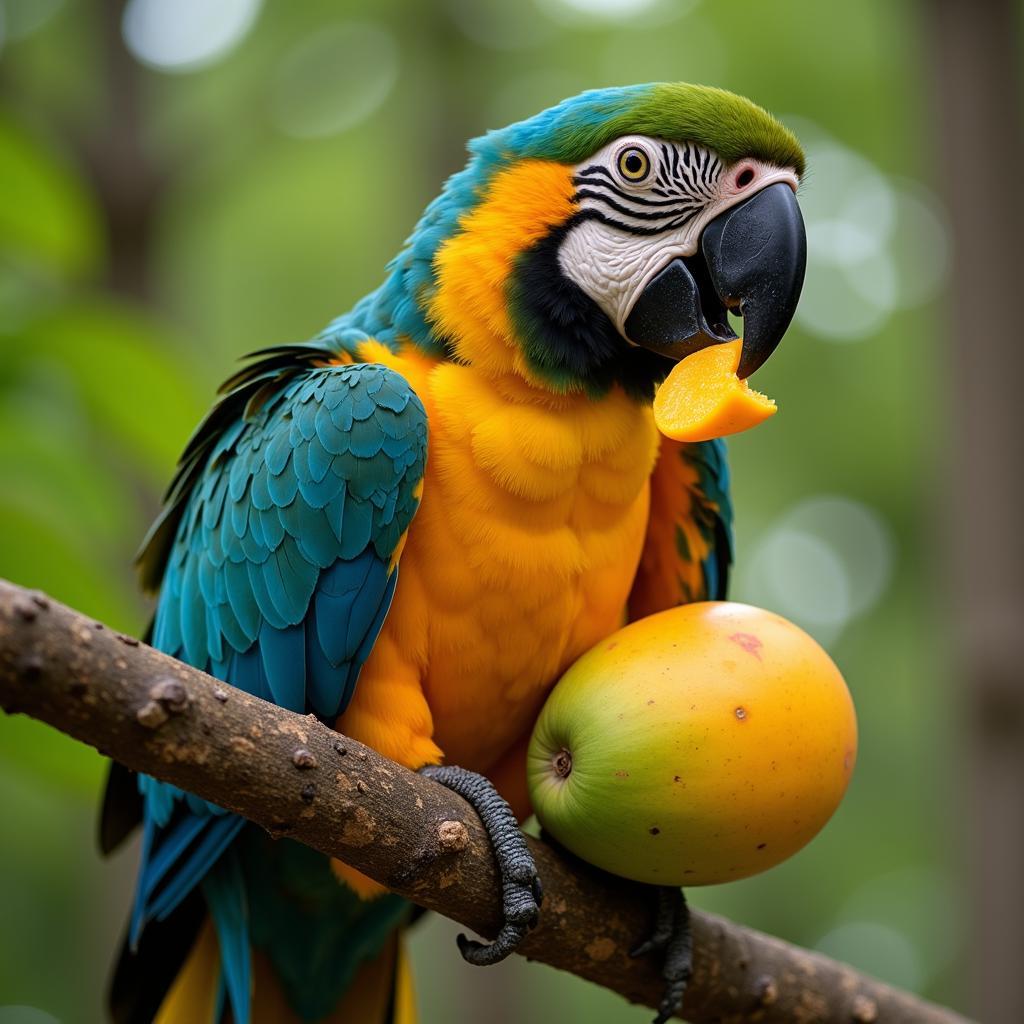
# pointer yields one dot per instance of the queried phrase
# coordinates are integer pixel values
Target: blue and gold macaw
(411, 525)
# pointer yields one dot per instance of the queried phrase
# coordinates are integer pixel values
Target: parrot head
(605, 239)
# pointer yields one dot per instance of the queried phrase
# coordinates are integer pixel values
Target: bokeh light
(572, 12)
(334, 79)
(876, 244)
(800, 576)
(824, 562)
(919, 901)
(25, 1015)
(20, 18)
(882, 950)
(525, 94)
(637, 54)
(920, 244)
(498, 24)
(183, 35)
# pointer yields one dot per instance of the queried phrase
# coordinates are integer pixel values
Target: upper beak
(752, 261)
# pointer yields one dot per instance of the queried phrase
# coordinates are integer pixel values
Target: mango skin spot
(702, 398)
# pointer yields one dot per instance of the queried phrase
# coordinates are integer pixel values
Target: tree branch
(298, 778)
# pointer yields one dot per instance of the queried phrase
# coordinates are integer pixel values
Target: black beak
(752, 262)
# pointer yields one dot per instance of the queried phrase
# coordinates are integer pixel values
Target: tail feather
(192, 999)
(381, 992)
(121, 812)
(224, 889)
(328, 948)
(143, 976)
(404, 998)
(175, 858)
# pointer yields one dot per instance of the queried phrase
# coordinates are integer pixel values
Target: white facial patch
(614, 267)
(645, 202)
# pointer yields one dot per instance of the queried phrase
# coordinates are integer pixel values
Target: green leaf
(47, 217)
(48, 467)
(126, 374)
(34, 751)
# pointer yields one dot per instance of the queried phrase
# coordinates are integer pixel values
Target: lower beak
(751, 262)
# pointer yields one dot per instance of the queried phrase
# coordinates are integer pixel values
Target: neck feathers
(479, 283)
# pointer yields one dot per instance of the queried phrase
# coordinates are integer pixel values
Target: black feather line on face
(596, 188)
(568, 340)
(677, 209)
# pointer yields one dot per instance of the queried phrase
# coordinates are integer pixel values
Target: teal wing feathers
(713, 514)
(282, 559)
(688, 550)
(277, 557)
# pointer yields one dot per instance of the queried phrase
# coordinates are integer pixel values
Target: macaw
(312, 552)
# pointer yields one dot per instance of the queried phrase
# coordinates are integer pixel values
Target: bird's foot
(520, 886)
(671, 935)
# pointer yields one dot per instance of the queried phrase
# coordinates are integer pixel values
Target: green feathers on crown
(731, 125)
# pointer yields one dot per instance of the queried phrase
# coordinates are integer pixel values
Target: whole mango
(698, 745)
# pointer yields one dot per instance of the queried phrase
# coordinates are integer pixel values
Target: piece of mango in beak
(702, 398)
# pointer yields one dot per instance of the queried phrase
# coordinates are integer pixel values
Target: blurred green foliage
(264, 219)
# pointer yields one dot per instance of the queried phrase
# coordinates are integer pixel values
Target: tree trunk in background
(974, 53)
(128, 184)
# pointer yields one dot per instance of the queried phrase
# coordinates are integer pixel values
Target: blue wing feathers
(259, 493)
(330, 437)
(216, 628)
(283, 652)
(248, 673)
(363, 651)
(334, 511)
(239, 513)
(267, 610)
(322, 675)
(277, 580)
(189, 870)
(319, 459)
(358, 528)
(179, 855)
(175, 842)
(252, 548)
(366, 604)
(193, 616)
(224, 889)
(277, 454)
(710, 459)
(242, 602)
(238, 480)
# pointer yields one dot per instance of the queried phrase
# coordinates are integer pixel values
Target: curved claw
(664, 922)
(645, 947)
(538, 891)
(672, 934)
(672, 1001)
(522, 892)
(483, 954)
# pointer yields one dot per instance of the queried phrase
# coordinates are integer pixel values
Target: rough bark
(297, 778)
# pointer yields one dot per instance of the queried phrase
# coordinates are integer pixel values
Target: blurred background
(184, 181)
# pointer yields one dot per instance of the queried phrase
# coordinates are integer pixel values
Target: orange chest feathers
(523, 552)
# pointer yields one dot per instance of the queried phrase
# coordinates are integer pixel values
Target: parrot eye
(633, 164)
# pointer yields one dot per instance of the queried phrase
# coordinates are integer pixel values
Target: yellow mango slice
(702, 398)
